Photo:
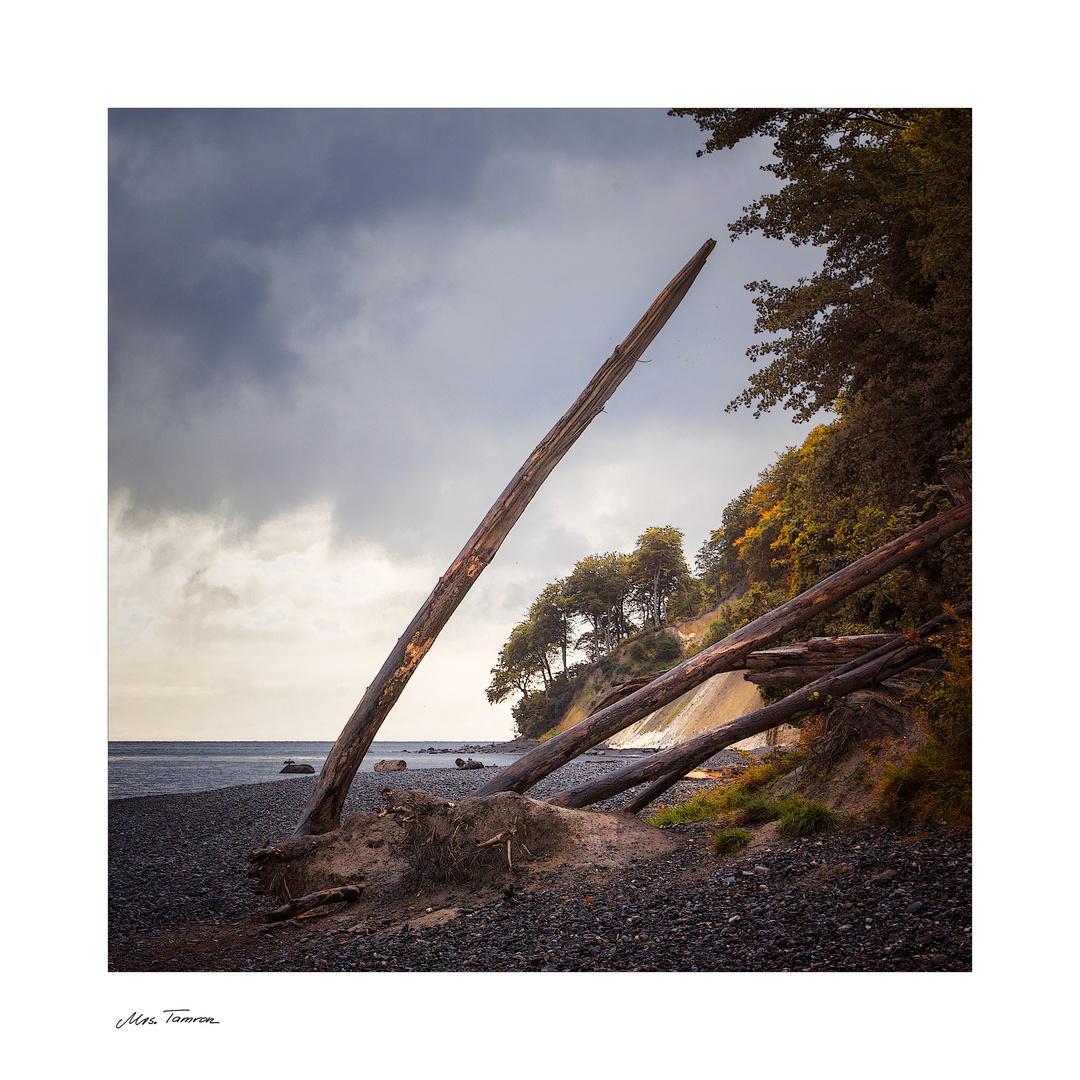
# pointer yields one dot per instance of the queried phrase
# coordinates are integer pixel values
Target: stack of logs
(790, 666)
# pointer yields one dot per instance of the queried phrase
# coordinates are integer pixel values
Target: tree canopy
(880, 335)
(882, 332)
(604, 600)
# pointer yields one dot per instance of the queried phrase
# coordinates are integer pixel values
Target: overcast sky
(335, 336)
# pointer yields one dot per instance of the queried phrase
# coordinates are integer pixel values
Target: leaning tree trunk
(322, 812)
(727, 655)
(670, 766)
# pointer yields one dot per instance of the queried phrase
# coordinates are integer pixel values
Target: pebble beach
(861, 898)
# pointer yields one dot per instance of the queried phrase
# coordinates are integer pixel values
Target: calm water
(174, 768)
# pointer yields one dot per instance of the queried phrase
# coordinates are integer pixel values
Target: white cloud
(273, 633)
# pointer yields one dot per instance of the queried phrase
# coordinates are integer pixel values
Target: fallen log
(792, 676)
(347, 893)
(957, 482)
(820, 650)
(670, 766)
(789, 678)
(727, 655)
(322, 812)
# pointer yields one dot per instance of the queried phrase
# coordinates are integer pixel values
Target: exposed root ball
(472, 840)
(859, 717)
(419, 838)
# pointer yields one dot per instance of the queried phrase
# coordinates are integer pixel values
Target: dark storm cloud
(196, 198)
(389, 308)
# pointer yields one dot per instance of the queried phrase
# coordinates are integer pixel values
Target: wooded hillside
(880, 337)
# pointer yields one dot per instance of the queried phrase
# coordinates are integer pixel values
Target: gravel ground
(864, 898)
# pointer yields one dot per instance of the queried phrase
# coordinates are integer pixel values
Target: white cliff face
(716, 701)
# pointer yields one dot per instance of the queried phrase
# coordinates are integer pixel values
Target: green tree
(658, 569)
(520, 666)
(883, 330)
(598, 590)
(552, 616)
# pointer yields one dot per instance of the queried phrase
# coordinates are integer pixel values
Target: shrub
(658, 647)
(708, 804)
(728, 840)
(935, 781)
(755, 603)
(805, 818)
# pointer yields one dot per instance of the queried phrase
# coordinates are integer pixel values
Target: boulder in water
(390, 766)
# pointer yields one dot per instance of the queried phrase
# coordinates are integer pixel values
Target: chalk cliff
(724, 697)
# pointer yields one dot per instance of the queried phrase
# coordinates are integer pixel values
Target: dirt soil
(421, 842)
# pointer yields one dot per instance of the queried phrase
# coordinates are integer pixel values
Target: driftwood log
(818, 650)
(322, 812)
(957, 482)
(313, 900)
(670, 766)
(793, 677)
(727, 655)
(790, 666)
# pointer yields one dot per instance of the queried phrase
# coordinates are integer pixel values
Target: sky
(335, 335)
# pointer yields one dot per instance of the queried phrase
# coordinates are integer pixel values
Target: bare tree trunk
(670, 766)
(727, 655)
(322, 813)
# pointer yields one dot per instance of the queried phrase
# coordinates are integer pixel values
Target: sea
(177, 768)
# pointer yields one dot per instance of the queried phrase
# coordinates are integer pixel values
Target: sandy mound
(421, 842)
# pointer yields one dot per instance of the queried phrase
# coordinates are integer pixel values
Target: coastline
(868, 898)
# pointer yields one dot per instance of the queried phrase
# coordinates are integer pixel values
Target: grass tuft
(740, 801)
(702, 807)
(726, 841)
(805, 818)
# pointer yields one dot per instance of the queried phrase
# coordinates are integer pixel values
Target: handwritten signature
(172, 1016)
